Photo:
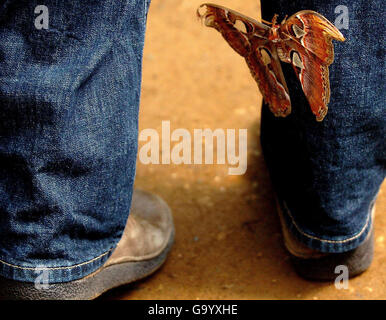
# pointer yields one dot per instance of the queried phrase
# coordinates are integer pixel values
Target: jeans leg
(327, 175)
(69, 97)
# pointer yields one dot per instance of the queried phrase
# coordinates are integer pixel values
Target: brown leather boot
(317, 266)
(143, 248)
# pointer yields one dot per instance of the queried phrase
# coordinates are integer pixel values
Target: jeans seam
(363, 230)
(58, 268)
(145, 11)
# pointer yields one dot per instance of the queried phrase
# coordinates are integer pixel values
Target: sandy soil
(228, 242)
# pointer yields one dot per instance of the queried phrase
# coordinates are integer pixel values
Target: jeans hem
(46, 275)
(327, 245)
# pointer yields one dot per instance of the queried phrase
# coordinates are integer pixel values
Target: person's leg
(327, 174)
(70, 76)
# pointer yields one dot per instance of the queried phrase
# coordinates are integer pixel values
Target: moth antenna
(274, 19)
(285, 19)
(265, 21)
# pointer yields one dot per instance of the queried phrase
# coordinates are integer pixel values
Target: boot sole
(89, 287)
(357, 261)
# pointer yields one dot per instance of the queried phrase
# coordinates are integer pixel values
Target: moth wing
(249, 38)
(235, 27)
(311, 52)
(314, 32)
(314, 79)
(265, 67)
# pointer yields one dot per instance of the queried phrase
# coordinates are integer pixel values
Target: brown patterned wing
(249, 38)
(308, 39)
(265, 67)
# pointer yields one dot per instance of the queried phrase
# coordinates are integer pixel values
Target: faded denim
(327, 175)
(69, 100)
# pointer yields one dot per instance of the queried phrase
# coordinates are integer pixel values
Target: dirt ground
(228, 241)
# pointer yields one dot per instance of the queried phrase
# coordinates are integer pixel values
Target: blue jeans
(69, 98)
(327, 175)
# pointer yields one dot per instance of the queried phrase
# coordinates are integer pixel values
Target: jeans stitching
(325, 240)
(57, 268)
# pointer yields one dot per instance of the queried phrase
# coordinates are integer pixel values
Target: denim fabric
(327, 175)
(69, 98)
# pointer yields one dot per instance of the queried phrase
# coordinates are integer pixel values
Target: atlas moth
(303, 40)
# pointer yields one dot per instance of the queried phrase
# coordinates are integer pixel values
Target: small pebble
(228, 286)
(240, 111)
(221, 236)
(380, 239)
